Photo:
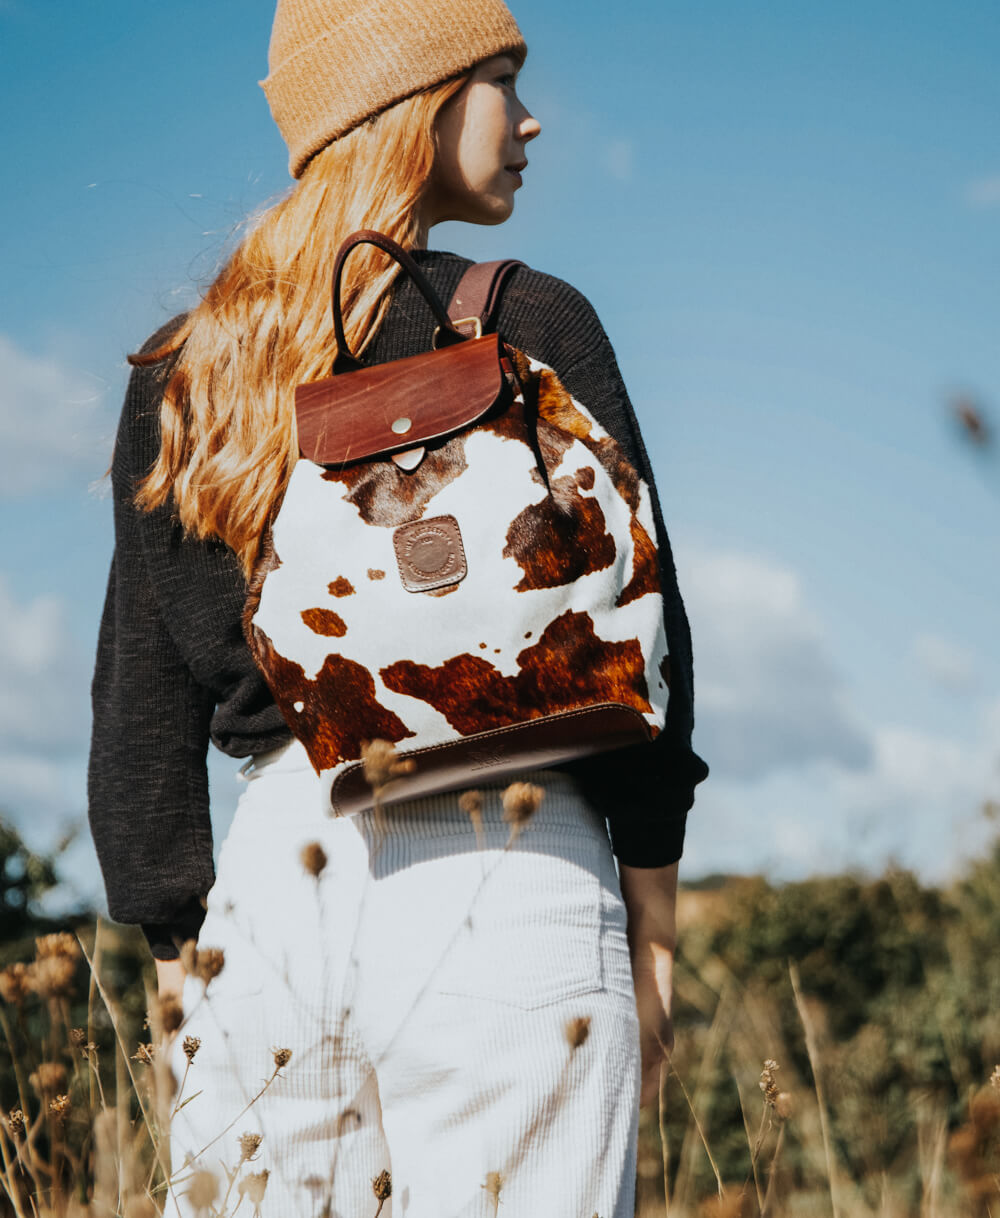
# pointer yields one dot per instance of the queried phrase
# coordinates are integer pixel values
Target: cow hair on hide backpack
(464, 564)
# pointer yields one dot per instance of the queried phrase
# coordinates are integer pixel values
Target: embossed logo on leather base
(430, 553)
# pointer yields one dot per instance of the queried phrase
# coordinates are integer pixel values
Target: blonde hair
(227, 421)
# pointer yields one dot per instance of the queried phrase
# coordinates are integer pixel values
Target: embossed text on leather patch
(430, 553)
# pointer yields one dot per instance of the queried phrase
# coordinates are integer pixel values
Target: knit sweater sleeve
(645, 791)
(173, 672)
(147, 784)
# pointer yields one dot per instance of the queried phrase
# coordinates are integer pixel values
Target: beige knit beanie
(334, 63)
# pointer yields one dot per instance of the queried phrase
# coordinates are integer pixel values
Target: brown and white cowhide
(545, 598)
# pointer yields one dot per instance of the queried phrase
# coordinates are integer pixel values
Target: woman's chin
(493, 209)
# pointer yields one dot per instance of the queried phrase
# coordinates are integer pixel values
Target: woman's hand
(169, 978)
(650, 896)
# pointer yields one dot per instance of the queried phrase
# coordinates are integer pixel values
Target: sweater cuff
(166, 938)
(647, 841)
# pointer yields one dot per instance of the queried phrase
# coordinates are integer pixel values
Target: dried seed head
(171, 1013)
(381, 764)
(253, 1186)
(203, 1190)
(15, 984)
(493, 1186)
(382, 1186)
(471, 803)
(56, 956)
(995, 1078)
(61, 945)
(377, 758)
(282, 1057)
(78, 1037)
(211, 961)
(521, 801)
(59, 1107)
(577, 1030)
(204, 963)
(249, 1146)
(768, 1083)
(145, 1054)
(971, 420)
(51, 976)
(49, 1078)
(784, 1105)
(15, 1120)
(191, 1046)
(313, 859)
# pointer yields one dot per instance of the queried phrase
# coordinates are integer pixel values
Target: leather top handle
(346, 361)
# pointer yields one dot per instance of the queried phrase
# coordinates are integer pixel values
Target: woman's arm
(148, 782)
(650, 895)
(169, 977)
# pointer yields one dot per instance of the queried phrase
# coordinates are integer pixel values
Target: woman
(479, 1019)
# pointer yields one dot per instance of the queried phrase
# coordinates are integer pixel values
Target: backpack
(463, 564)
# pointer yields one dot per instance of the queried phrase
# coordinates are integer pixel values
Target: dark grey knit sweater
(173, 669)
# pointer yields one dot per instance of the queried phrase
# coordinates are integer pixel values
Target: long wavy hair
(227, 420)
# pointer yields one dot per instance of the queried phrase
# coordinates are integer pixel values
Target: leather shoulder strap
(479, 291)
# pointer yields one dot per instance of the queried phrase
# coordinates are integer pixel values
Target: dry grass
(88, 1132)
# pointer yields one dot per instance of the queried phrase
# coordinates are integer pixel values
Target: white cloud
(50, 419)
(767, 692)
(44, 733)
(43, 680)
(800, 782)
(946, 663)
(44, 729)
(44, 738)
(920, 805)
(984, 192)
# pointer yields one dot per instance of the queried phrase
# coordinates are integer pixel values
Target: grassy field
(837, 1054)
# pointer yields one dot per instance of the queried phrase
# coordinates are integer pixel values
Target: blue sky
(788, 218)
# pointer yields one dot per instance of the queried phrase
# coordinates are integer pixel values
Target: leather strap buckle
(475, 322)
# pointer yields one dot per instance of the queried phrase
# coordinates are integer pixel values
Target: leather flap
(488, 757)
(400, 405)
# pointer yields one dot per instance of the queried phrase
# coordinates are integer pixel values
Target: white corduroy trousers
(426, 983)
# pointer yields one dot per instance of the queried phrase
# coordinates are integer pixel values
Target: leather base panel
(488, 757)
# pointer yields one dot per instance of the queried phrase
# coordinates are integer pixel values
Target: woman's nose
(528, 127)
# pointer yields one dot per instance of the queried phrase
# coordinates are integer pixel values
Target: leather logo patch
(430, 553)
